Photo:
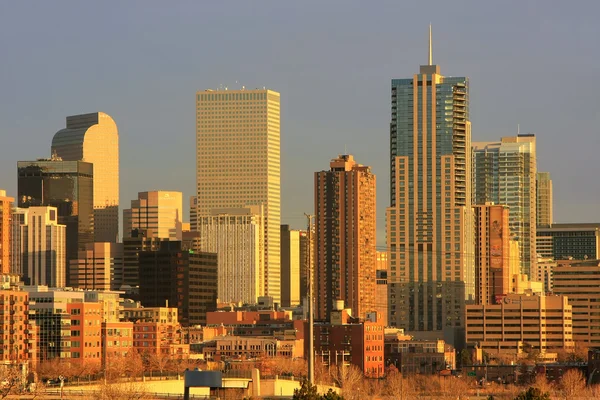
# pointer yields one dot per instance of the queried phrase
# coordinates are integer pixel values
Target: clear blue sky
(533, 63)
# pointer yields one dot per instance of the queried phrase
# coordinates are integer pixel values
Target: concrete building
(94, 138)
(544, 199)
(158, 213)
(505, 173)
(66, 185)
(345, 237)
(42, 248)
(425, 357)
(521, 323)
(266, 323)
(236, 347)
(186, 280)
(544, 273)
(159, 339)
(344, 341)
(492, 253)
(579, 241)
(238, 162)
(5, 232)
(236, 235)
(290, 266)
(98, 267)
(19, 333)
(580, 282)
(429, 221)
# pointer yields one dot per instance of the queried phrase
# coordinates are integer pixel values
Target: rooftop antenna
(518, 129)
(430, 49)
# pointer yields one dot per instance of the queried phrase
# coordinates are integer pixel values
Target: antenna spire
(430, 50)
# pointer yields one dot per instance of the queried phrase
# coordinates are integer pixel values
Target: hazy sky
(530, 63)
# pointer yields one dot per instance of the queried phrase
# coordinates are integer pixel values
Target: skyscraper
(236, 235)
(544, 199)
(98, 267)
(429, 221)
(505, 173)
(238, 162)
(42, 248)
(290, 266)
(94, 138)
(157, 213)
(345, 242)
(66, 185)
(5, 232)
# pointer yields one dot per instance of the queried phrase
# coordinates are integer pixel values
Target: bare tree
(129, 390)
(572, 383)
(351, 380)
(11, 380)
(542, 383)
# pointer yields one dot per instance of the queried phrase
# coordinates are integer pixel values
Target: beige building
(238, 162)
(158, 213)
(42, 248)
(161, 315)
(5, 232)
(544, 273)
(345, 242)
(520, 323)
(544, 199)
(94, 138)
(290, 266)
(236, 235)
(505, 173)
(98, 267)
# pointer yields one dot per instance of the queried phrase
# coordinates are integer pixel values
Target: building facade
(290, 266)
(19, 331)
(544, 199)
(307, 261)
(345, 237)
(505, 173)
(157, 213)
(238, 162)
(132, 246)
(66, 185)
(236, 235)
(98, 267)
(429, 221)
(94, 138)
(6, 204)
(42, 248)
(563, 241)
(544, 273)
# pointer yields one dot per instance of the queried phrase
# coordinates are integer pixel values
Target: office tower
(236, 235)
(307, 251)
(290, 266)
(158, 214)
(182, 279)
(19, 215)
(238, 162)
(94, 138)
(43, 247)
(505, 173)
(579, 241)
(381, 296)
(132, 246)
(544, 199)
(193, 214)
(98, 267)
(66, 185)
(580, 282)
(492, 253)
(345, 220)
(429, 221)
(5, 232)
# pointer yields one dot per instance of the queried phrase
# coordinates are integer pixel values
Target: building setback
(238, 162)
(94, 138)
(345, 242)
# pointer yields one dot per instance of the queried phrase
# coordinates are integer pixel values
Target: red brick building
(18, 334)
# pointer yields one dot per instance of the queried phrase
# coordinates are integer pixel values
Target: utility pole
(311, 321)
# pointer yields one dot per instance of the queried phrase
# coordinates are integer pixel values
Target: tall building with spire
(430, 220)
(544, 199)
(238, 163)
(94, 138)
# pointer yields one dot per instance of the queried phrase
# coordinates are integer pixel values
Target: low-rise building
(159, 339)
(419, 356)
(237, 347)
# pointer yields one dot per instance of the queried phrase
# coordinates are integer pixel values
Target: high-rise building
(544, 199)
(98, 267)
(505, 173)
(492, 253)
(18, 217)
(236, 235)
(157, 213)
(193, 214)
(42, 248)
(132, 246)
(345, 242)
(579, 241)
(290, 266)
(238, 162)
(94, 138)
(179, 278)
(5, 232)
(66, 185)
(429, 221)
(307, 261)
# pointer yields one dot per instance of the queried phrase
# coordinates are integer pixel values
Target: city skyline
(535, 37)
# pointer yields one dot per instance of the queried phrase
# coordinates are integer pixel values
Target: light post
(311, 322)
(62, 384)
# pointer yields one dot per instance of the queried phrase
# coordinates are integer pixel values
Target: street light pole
(311, 321)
